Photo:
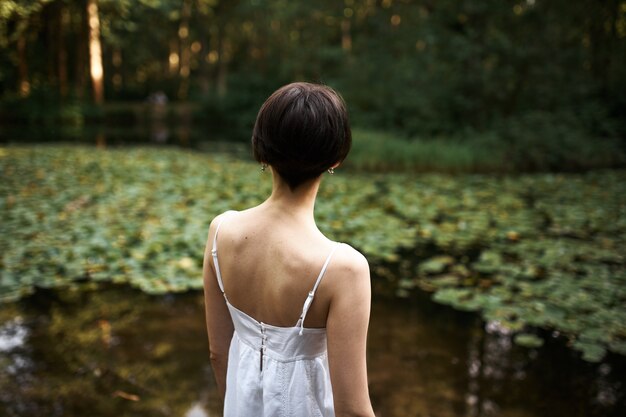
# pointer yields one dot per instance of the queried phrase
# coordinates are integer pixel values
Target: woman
(287, 309)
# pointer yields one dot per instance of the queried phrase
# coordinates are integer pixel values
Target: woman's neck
(298, 203)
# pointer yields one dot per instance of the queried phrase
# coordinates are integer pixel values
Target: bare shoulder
(350, 268)
(350, 259)
(217, 220)
(349, 292)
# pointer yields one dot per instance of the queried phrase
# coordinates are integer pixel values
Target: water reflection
(429, 360)
(12, 334)
(117, 352)
(196, 411)
(154, 122)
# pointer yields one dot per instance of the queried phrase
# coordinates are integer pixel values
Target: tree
(95, 52)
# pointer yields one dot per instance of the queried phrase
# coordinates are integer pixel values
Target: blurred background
(486, 186)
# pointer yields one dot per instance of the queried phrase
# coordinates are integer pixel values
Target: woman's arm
(346, 327)
(218, 322)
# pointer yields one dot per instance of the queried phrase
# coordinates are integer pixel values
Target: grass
(379, 151)
(483, 153)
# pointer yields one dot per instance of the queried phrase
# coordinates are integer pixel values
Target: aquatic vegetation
(526, 251)
(141, 215)
(529, 251)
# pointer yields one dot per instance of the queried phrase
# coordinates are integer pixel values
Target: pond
(527, 250)
(108, 350)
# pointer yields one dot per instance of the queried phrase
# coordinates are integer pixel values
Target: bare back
(269, 263)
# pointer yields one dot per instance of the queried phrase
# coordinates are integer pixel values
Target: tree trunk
(185, 52)
(24, 84)
(81, 50)
(613, 16)
(62, 50)
(346, 35)
(95, 52)
(116, 61)
(174, 58)
(222, 64)
(50, 21)
(601, 35)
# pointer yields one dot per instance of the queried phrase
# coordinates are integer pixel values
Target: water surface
(112, 351)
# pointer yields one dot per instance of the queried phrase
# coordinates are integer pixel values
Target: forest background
(485, 85)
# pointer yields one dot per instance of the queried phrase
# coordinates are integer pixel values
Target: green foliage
(527, 251)
(516, 146)
(233, 115)
(45, 109)
(376, 151)
(572, 144)
(408, 67)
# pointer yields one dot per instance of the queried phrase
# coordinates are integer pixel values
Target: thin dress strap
(309, 298)
(218, 273)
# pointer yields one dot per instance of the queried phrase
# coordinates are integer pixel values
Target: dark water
(113, 351)
(135, 124)
(190, 137)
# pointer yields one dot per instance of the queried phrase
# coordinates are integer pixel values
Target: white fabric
(276, 371)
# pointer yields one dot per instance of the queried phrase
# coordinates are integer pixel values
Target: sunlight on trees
(95, 52)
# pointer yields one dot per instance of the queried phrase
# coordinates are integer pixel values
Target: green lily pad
(528, 340)
(435, 265)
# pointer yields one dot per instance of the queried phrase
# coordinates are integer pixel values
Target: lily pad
(528, 340)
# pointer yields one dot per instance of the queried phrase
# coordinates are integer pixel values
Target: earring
(331, 171)
(263, 167)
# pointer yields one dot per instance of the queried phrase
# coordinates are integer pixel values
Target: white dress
(276, 371)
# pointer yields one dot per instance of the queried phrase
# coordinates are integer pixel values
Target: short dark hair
(301, 130)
